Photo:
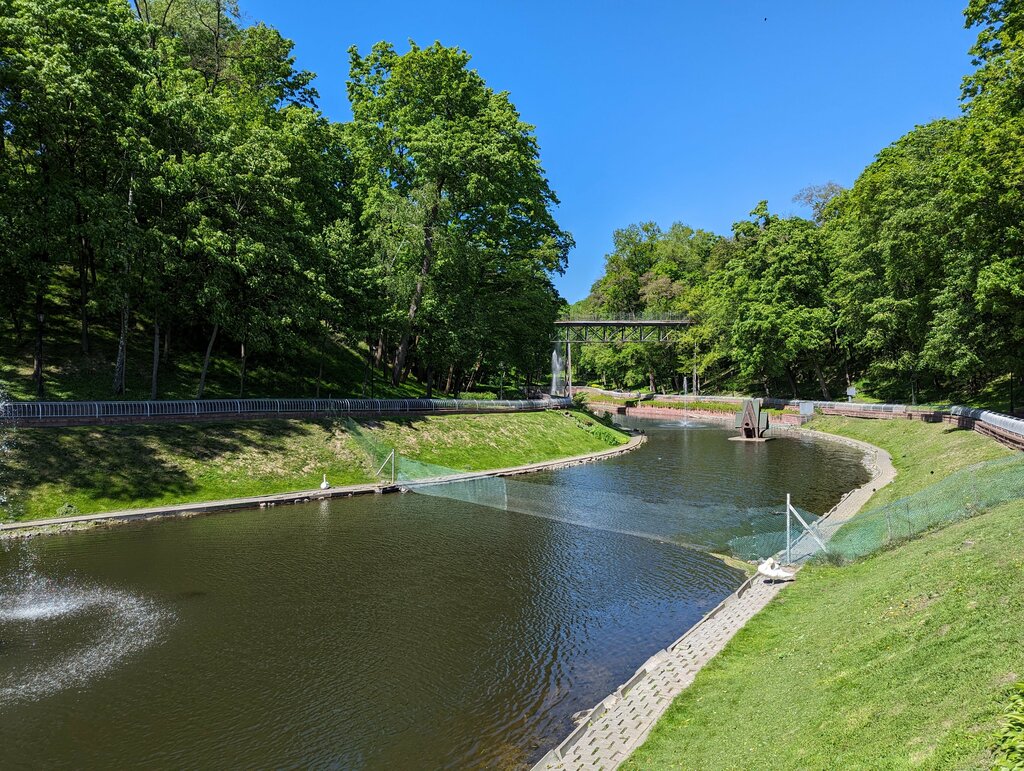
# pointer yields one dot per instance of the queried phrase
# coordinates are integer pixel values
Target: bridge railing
(43, 412)
(570, 316)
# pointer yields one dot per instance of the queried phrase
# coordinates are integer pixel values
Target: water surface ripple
(405, 631)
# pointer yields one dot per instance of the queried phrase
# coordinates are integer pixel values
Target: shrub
(68, 509)
(1009, 744)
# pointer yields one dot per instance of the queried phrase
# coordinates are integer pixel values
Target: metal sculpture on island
(752, 423)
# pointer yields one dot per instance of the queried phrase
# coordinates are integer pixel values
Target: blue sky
(672, 111)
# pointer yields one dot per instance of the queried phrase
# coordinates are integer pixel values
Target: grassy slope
(921, 452)
(99, 469)
(901, 660)
(70, 374)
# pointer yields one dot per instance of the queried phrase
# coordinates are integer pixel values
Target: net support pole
(789, 507)
(810, 531)
(391, 458)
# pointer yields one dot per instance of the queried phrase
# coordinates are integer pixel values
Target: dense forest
(910, 284)
(176, 212)
(169, 191)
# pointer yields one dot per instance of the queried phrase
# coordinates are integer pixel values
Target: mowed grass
(922, 453)
(118, 467)
(901, 660)
(478, 442)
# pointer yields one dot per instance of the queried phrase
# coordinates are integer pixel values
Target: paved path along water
(621, 723)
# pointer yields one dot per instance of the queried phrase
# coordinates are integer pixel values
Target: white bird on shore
(325, 485)
(773, 570)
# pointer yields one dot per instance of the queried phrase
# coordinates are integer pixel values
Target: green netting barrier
(961, 495)
(769, 534)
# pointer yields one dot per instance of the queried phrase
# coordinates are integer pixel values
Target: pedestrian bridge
(622, 328)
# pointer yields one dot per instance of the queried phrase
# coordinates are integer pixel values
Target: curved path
(610, 732)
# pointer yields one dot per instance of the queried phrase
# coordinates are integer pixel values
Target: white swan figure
(773, 570)
(325, 485)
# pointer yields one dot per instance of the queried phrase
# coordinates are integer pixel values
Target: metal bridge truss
(618, 330)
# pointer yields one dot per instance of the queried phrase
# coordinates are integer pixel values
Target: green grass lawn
(922, 453)
(117, 467)
(904, 659)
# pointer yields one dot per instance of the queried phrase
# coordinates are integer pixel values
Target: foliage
(1009, 744)
(164, 168)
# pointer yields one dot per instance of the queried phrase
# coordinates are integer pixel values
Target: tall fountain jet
(557, 371)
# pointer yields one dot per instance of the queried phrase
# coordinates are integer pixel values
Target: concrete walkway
(621, 723)
(64, 524)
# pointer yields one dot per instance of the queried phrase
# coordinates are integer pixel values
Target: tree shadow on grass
(134, 463)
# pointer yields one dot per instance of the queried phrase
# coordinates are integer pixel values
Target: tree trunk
(448, 384)
(650, 376)
(430, 382)
(156, 361)
(122, 351)
(83, 301)
(320, 369)
(821, 381)
(241, 373)
(475, 371)
(206, 362)
(417, 295)
(378, 352)
(18, 323)
(83, 280)
(37, 359)
(167, 341)
(792, 381)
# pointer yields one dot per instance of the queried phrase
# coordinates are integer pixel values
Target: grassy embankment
(117, 467)
(903, 659)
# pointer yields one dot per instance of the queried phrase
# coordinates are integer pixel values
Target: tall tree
(445, 168)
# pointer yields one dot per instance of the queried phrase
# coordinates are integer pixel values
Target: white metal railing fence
(44, 411)
(1007, 423)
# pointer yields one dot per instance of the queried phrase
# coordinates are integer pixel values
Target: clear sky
(689, 111)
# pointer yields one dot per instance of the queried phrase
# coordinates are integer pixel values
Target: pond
(457, 629)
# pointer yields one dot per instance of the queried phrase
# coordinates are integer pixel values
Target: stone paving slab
(622, 721)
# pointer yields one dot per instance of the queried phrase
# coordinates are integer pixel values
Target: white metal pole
(789, 555)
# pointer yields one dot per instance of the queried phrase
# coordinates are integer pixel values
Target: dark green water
(405, 631)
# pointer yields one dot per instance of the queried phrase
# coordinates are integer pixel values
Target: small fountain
(96, 628)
